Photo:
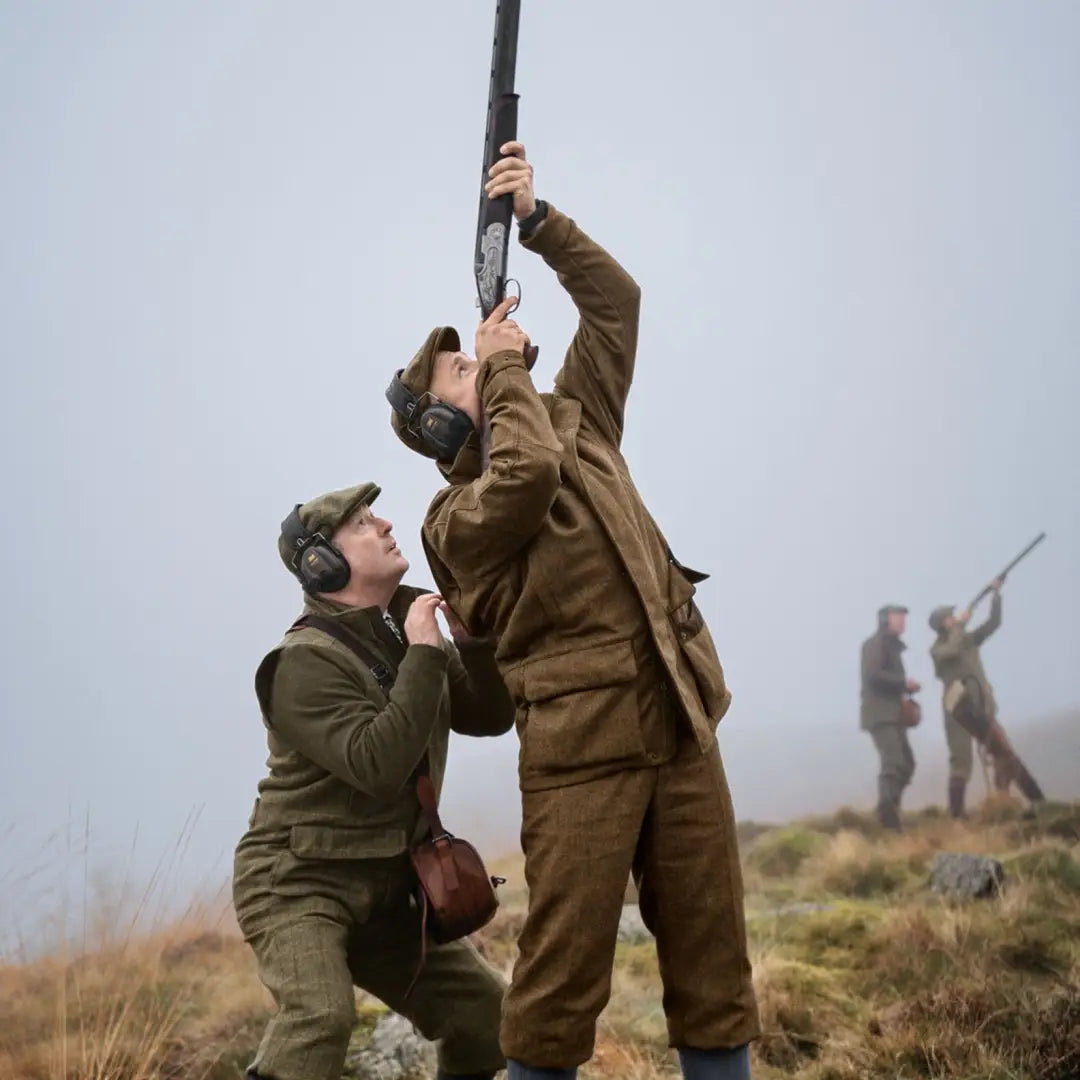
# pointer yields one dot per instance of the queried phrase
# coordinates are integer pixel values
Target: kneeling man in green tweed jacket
(322, 878)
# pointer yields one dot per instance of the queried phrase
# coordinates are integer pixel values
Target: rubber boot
(889, 816)
(888, 806)
(715, 1064)
(517, 1071)
(957, 790)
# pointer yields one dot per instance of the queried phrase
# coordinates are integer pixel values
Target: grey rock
(966, 876)
(394, 1051)
(632, 928)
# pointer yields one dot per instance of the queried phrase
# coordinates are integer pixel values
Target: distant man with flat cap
(969, 705)
(884, 687)
(542, 539)
(358, 700)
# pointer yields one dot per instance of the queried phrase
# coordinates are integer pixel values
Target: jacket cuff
(426, 658)
(477, 647)
(495, 363)
(552, 237)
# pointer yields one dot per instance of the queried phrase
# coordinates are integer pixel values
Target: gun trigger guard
(517, 297)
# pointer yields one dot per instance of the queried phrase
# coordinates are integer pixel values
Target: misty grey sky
(857, 230)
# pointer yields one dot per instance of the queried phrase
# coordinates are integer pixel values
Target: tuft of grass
(804, 1009)
(847, 819)
(1047, 864)
(854, 866)
(838, 937)
(781, 852)
(616, 1058)
(1059, 820)
(974, 1032)
(746, 832)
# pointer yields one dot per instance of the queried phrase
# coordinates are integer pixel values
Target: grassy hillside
(861, 972)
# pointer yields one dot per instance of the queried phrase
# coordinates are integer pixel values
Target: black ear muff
(446, 429)
(323, 569)
(441, 427)
(320, 567)
(402, 400)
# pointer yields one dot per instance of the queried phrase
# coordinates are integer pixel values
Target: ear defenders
(320, 567)
(443, 428)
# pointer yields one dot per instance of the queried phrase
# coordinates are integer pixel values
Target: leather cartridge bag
(455, 892)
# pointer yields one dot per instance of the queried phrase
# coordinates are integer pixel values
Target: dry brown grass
(860, 971)
(127, 984)
(172, 1004)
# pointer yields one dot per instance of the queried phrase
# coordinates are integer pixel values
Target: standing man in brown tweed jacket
(542, 540)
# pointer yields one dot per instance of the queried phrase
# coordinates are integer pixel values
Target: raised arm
(476, 528)
(993, 621)
(599, 365)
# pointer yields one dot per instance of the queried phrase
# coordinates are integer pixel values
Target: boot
(957, 789)
(889, 790)
(888, 813)
(517, 1071)
(440, 1075)
(715, 1064)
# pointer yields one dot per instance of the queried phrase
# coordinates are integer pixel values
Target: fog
(857, 232)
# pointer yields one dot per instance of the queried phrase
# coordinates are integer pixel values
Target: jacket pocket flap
(334, 842)
(583, 669)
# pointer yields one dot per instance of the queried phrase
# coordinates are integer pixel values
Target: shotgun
(1004, 573)
(496, 216)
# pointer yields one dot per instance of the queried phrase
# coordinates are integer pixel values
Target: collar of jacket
(893, 641)
(363, 620)
(467, 466)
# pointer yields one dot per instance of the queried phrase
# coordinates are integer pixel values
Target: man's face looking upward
(370, 549)
(454, 382)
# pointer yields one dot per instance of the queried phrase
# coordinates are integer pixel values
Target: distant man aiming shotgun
(969, 704)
